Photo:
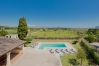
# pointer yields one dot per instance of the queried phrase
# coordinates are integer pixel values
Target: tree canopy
(22, 28)
(3, 32)
(92, 35)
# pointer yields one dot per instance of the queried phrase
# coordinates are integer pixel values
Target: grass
(11, 31)
(52, 33)
(66, 58)
(75, 46)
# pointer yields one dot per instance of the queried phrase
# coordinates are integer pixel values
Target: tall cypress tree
(22, 28)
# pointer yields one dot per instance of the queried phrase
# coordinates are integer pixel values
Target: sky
(50, 13)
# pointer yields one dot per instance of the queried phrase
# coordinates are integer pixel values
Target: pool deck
(32, 57)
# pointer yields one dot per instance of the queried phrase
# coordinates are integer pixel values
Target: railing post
(8, 59)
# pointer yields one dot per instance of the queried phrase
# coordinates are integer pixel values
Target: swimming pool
(52, 45)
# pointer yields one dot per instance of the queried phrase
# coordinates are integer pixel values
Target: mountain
(97, 27)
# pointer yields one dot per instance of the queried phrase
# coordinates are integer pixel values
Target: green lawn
(66, 58)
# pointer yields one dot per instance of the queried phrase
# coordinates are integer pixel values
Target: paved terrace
(32, 57)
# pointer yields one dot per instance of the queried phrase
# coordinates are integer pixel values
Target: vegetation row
(91, 52)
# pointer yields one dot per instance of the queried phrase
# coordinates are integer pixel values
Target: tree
(91, 38)
(81, 55)
(97, 34)
(92, 35)
(3, 32)
(22, 28)
(91, 31)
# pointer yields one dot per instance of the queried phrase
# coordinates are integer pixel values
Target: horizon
(48, 26)
(50, 13)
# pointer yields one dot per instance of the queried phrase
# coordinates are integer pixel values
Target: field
(50, 33)
(55, 33)
(11, 31)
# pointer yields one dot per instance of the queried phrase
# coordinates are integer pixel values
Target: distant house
(9, 48)
(95, 45)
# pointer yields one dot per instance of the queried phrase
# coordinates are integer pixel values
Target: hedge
(91, 52)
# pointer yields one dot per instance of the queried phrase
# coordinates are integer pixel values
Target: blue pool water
(52, 45)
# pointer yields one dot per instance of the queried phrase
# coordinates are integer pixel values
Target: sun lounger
(51, 51)
(63, 51)
(73, 51)
(57, 51)
(67, 51)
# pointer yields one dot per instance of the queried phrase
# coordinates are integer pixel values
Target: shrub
(91, 38)
(75, 42)
(74, 62)
(96, 57)
(3, 32)
(90, 51)
(81, 55)
(28, 41)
